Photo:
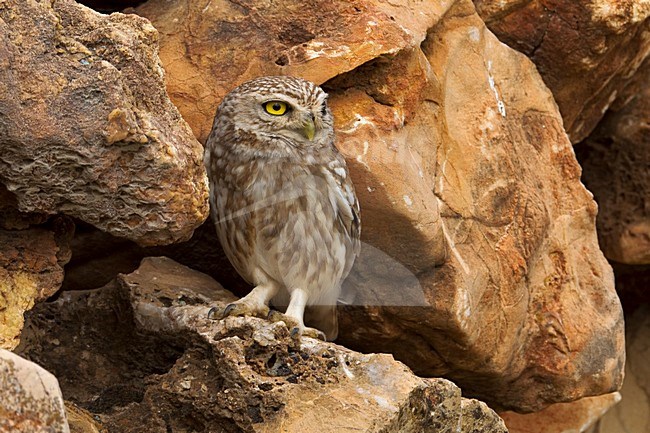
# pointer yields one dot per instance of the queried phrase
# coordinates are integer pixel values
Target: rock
(31, 400)
(585, 51)
(615, 160)
(574, 417)
(81, 421)
(86, 127)
(97, 258)
(31, 263)
(519, 307)
(480, 260)
(631, 414)
(209, 47)
(141, 355)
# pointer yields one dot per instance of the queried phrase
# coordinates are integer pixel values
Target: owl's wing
(346, 206)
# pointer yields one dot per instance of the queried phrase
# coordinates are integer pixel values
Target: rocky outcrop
(86, 128)
(33, 252)
(616, 163)
(30, 401)
(586, 51)
(140, 355)
(480, 259)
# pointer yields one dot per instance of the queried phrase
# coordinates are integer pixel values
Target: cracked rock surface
(586, 51)
(140, 355)
(86, 128)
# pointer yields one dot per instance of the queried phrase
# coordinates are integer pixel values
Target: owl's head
(275, 116)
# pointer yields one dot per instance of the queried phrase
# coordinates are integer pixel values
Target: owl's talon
(212, 313)
(229, 308)
(313, 333)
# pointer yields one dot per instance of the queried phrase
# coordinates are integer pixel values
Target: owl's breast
(281, 219)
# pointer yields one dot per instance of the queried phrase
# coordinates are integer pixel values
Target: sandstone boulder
(586, 51)
(480, 259)
(86, 128)
(616, 163)
(30, 400)
(141, 355)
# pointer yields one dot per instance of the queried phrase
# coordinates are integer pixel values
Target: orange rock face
(481, 261)
(585, 51)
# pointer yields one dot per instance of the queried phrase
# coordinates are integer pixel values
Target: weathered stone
(86, 127)
(210, 46)
(523, 297)
(30, 401)
(616, 164)
(141, 355)
(480, 260)
(631, 415)
(574, 417)
(81, 421)
(97, 258)
(31, 270)
(586, 51)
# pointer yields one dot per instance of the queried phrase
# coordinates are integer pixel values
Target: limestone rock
(586, 51)
(31, 263)
(575, 417)
(86, 127)
(30, 400)
(616, 163)
(141, 355)
(480, 259)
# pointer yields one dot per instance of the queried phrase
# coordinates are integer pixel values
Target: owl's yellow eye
(276, 108)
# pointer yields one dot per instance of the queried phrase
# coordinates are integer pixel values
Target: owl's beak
(309, 129)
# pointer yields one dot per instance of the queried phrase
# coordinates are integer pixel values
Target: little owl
(282, 201)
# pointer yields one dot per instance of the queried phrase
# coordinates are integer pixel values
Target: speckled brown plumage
(283, 204)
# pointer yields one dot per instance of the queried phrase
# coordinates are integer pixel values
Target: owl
(283, 203)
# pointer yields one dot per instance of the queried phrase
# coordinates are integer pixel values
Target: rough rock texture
(480, 261)
(210, 46)
(141, 355)
(631, 415)
(97, 258)
(586, 51)
(574, 417)
(616, 164)
(32, 257)
(30, 401)
(86, 127)
(81, 421)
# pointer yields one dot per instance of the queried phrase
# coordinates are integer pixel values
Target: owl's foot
(253, 304)
(238, 308)
(297, 329)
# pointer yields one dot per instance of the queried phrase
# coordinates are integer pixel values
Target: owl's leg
(254, 304)
(293, 317)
